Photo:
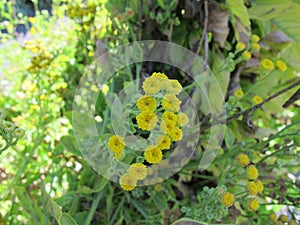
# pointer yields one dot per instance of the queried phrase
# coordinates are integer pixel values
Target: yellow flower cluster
(42, 57)
(257, 99)
(267, 64)
(79, 11)
(253, 204)
(228, 199)
(282, 219)
(242, 159)
(239, 93)
(135, 172)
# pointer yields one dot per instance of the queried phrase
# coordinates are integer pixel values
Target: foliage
(251, 47)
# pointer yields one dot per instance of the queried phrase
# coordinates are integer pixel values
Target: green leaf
(99, 187)
(238, 9)
(161, 201)
(229, 138)
(66, 219)
(161, 4)
(56, 211)
(70, 145)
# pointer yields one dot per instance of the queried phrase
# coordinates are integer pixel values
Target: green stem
(94, 208)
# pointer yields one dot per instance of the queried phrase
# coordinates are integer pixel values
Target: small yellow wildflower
(173, 87)
(167, 115)
(281, 65)
(252, 172)
(260, 186)
(182, 119)
(239, 93)
(253, 204)
(119, 155)
(252, 188)
(146, 120)
(257, 99)
(255, 47)
(42, 97)
(158, 187)
(171, 102)
(240, 46)
(127, 182)
(283, 218)
(159, 75)
(267, 64)
(167, 126)
(138, 171)
(176, 134)
(278, 223)
(246, 55)
(255, 38)
(152, 85)
(273, 217)
(163, 142)
(228, 199)
(243, 160)
(146, 103)
(153, 154)
(292, 222)
(116, 144)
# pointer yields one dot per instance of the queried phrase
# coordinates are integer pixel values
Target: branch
(204, 33)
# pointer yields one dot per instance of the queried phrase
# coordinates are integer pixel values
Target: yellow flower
(239, 93)
(167, 115)
(252, 172)
(252, 188)
(163, 142)
(152, 85)
(260, 186)
(158, 187)
(153, 154)
(257, 99)
(278, 223)
(146, 120)
(255, 47)
(167, 126)
(119, 155)
(116, 144)
(246, 55)
(292, 222)
(255, 38)
(253, 204)
(173, 87)
(283, 218)
(146, 103)
(159, 75)
(127, 182)
(138, 171)
(42, 97)
(182, 119)
(267, 64)
(171, 102)
(273, 217)
(240, 46)
(176, 134)
(228, 199)
(243, 160)
(281, 65)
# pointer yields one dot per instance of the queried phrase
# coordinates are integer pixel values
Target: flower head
(163, 142)
(127, 182)
(153, 154)
(283, 218)
(19, 132)
(273, 217)
(146, 103)
(253, 204)
(246, 55)
(173, 87)
(228, 199)
(116, 144)
(171, 102)
(182, 119)
(9, 127)
(257, 99)
(159, 75)
(260, 186)
(281, 65)
(138, 171)
(167, 126)
(267, 64)
(146, 120)
(255, 38)
(252, 172)
(255, 47)
(152, 85)
(240, 46)
(243, 160)
(252, 188)
(167, 115)
(239, 93)
(176, 134)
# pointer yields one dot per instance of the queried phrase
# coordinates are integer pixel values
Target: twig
(140, 21)
(170, 32)
(204, 33)
(247, 111)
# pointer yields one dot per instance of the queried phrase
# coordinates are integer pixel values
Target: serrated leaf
(238, 9)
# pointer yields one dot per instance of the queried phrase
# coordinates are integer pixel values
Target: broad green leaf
(66, 219)
(291, 56)
(54, 209)
(238, 9)
(266, 10)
